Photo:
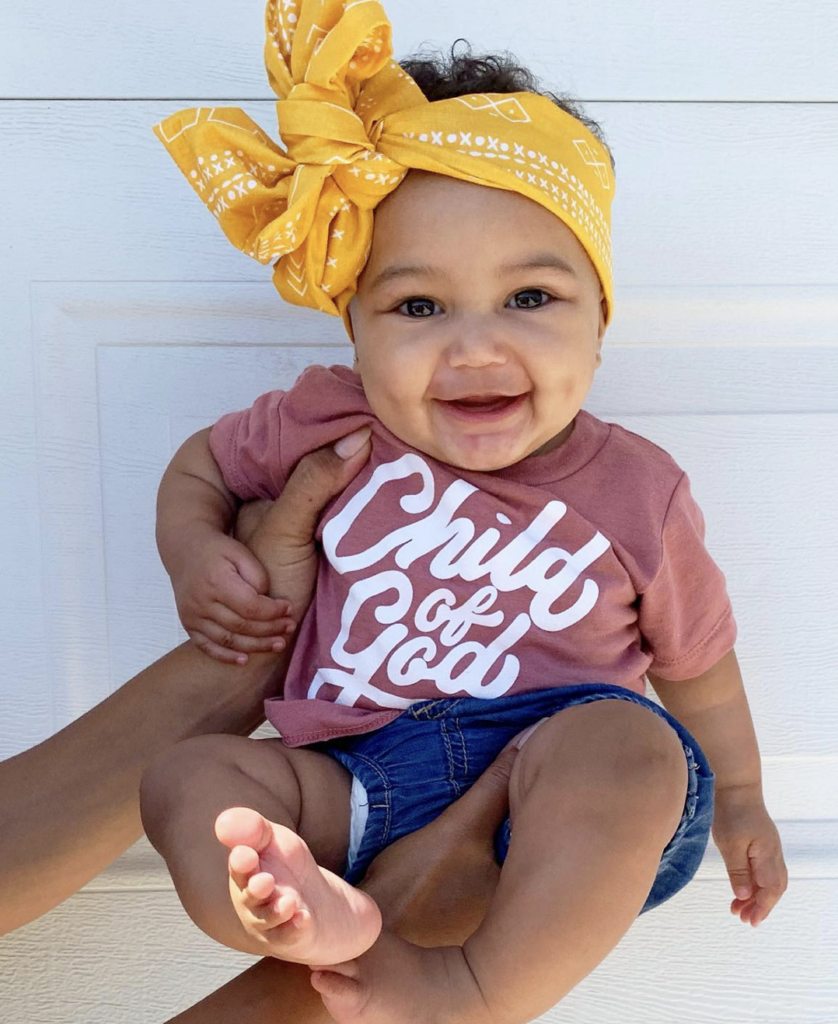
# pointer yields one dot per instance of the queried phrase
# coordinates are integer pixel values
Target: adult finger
(487, 802)
(317, 478)
(485, 805)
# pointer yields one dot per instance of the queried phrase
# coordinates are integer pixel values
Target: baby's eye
(428, 304)
(414, 303)
(532, 292)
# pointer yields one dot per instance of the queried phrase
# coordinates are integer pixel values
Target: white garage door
(128, 322)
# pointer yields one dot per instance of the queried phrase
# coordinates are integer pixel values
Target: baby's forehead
(437, 213)
(424, 195)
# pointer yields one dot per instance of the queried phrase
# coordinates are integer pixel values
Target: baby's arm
(714, 708)
(220, 587)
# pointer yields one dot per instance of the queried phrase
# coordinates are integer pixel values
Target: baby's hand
(749, 842)
(221, 594)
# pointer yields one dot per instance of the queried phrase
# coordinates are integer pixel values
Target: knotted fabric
(353, 123)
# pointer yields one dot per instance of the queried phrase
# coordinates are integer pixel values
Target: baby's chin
(482, 462)
(468, 452)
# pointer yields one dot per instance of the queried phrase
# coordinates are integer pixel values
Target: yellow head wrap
(353, 124)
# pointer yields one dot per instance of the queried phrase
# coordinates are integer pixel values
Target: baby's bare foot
(292, 908)
(397, 981)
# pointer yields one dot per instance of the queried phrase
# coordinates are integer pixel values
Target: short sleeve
(685, 615)
(246, 446)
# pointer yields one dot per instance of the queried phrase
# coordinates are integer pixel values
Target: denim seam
(448, 705)
(450, 755)
(456, 726)
(421, 712)
(463, 745)
(387, 795)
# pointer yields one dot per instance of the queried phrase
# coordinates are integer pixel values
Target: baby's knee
(174, 779)
(589, 747)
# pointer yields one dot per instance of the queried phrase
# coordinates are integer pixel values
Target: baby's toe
(260, 887)
(242, 862)
(266, 915)
(242, 826)
(285, 907)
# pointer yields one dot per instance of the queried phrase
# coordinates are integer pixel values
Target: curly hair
(442, 77)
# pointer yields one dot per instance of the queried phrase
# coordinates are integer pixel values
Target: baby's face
(472, 362)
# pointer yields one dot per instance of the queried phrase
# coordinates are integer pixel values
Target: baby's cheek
(576, 384)
(395, 406)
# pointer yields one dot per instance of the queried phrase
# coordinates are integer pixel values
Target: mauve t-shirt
(586, 564)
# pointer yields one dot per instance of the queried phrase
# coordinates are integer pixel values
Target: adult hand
(434, 886)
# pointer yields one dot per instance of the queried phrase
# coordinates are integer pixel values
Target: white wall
(128, 321)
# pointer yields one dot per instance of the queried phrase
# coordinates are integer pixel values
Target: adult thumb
(484, 806)
(317, 478)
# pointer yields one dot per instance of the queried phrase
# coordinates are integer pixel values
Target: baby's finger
(244, 645)
(756, 909)
(216, 651)
(765, 901)
(243, 599)
(743, 908)
(771, 877)
(231, 620)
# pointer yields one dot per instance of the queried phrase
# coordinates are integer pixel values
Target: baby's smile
(486, 408)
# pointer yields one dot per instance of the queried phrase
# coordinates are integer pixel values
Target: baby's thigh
(199, 778)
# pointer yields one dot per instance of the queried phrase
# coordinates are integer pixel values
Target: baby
(504, 561)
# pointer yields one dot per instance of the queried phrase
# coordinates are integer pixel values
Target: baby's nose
(477, 348)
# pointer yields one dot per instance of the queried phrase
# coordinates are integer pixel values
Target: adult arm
(69, 806)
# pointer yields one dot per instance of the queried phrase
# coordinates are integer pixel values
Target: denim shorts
(422, 761)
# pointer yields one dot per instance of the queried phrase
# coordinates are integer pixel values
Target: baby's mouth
(483, 408)
(485, 403)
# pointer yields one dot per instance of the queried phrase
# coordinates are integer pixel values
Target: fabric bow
(353, 124)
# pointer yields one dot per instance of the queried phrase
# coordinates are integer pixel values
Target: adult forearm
(70, 804)
(269, 992)
(714, 708)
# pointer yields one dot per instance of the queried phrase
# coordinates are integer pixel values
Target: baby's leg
(280, 896)
(596, 794)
